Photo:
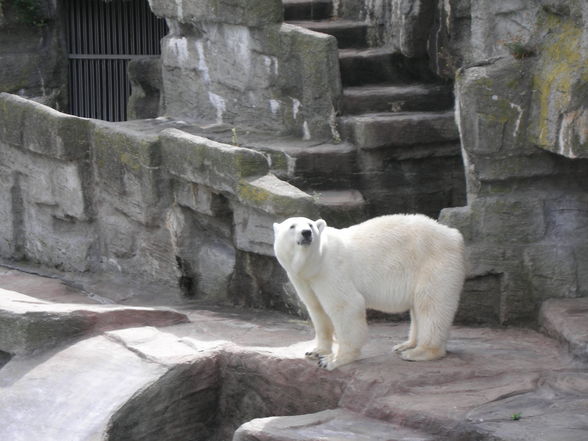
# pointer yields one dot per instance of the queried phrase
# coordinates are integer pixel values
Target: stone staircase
(400, 145)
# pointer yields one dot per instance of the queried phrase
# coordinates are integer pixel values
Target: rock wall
(521, 88)
(237, 64)
(32, 52)
(143, 200)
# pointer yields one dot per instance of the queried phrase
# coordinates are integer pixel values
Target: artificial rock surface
(520, 74)
(34, 58)
(204, 379)
(141, 199)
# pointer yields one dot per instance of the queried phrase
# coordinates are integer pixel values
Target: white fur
(390, 263)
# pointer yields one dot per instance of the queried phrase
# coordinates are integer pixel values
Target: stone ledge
(28, 324)
(328, 425)
(202, 161)
(43, 130)
(243, 12)
(565, 320)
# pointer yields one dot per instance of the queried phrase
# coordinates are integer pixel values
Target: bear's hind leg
(433, 321)
(412, 336)
(434, 307)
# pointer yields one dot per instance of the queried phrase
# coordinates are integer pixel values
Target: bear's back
(412, 237)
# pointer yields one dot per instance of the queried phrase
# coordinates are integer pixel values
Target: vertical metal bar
(120, 29)
(102, 89)
(121, 91)
(82, 91)
(90, 25)
(72, 88)
(84, 22)
(87, 94)
(96, 111)
(137, 28)
(124, 79)
(114, 90)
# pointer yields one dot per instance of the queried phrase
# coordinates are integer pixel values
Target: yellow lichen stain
(561, 60)
(253, 194)
(130, 161)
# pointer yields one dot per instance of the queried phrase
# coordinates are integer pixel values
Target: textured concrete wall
(32, 52)
(167, 206)
(522, 70)
(235, 63)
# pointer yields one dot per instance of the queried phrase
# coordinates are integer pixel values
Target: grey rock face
(141, 199)
(34, 62)
(145, 77)
(517, 96)
(238, 65)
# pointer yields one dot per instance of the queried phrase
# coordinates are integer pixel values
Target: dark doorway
(102, 37)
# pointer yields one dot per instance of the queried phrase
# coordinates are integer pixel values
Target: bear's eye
(292, 227)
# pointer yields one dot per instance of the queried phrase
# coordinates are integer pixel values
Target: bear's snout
(306, 237)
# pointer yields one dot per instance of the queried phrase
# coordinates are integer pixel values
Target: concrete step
(319, 167)
(396, 98)
(567, 321)
(349, 34)
(341, 208)
(377, 130)
(307, 9)
(328, 425)
(380, 65)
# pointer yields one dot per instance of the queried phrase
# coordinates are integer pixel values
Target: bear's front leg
(347, 312)
(323, 327)
(332, 361)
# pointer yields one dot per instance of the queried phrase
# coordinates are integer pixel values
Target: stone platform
(86, 371)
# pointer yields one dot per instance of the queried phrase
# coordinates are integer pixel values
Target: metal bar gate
(102, 36)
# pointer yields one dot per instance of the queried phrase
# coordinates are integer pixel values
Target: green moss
(253, 194)
(250, 164)
(485, 82)
(560, 67)
(277, 197)
(131, 161)
(117, 151)
(519, 50)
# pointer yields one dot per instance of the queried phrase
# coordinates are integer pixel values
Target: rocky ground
(77, 369)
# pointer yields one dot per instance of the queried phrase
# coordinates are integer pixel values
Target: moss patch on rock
(560, 79)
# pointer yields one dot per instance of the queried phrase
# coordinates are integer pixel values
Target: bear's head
(294, 235)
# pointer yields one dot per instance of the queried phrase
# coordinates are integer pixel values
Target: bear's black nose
(306, 234)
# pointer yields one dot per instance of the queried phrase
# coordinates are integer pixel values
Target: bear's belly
(390, 301)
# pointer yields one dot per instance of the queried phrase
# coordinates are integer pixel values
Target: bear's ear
(320, 224)
(276, 227)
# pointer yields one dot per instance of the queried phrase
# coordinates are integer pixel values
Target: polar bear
(393, 263)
